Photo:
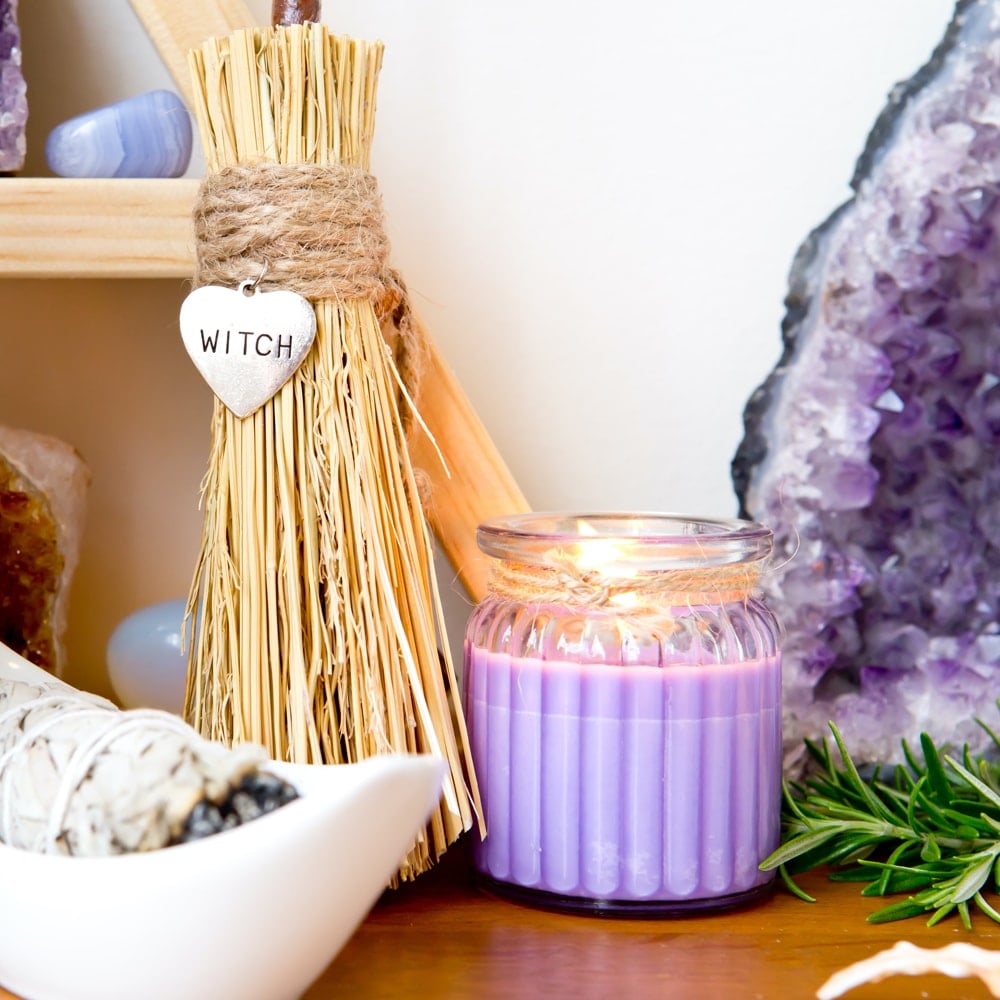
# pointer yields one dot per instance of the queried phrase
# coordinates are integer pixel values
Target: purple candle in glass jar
(623, 696)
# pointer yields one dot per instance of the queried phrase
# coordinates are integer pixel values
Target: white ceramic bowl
(253, 913)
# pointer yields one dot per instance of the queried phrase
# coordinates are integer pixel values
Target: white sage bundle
(80, 777)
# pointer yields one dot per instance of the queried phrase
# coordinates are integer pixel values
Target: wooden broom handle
(285, 12)
(480, 485)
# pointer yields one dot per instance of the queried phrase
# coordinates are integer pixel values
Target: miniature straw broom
(318, 618)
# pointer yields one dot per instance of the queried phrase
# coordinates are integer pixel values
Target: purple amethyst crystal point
(13, 92)
(873, 448)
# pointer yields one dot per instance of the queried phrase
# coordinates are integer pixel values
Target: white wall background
(595, 205)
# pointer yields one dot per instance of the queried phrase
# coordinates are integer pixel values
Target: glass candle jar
(623, 697)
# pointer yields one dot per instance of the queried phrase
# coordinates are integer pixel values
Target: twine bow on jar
(562, 580)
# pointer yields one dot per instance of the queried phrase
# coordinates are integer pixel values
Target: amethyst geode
(873, 448)
(13, 93)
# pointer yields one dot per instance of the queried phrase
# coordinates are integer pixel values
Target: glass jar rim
(653, 540)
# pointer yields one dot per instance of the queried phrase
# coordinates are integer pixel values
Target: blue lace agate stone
(144, 136)
(147, 666)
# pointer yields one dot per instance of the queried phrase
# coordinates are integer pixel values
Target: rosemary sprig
(930, 829)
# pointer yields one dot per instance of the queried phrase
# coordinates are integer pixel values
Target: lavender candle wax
(623, 697)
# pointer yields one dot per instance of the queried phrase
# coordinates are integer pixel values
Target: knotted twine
(561, 580)
(313, 229)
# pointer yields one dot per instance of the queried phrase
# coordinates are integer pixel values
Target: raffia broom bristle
(318, 617)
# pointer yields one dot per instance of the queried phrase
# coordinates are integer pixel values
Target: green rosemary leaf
(794, 889)
(896, 911)
(937, 780)
(988, 773)
(934, 869)
(934, 896)
(823, 801)
(920, 811)
(911, 761)
(859, 874)
(992, 735)
(844, 847)
(976, 874)
(933, 820)
(792, 794)
(905, 780)
(985, 907)
(931, 850)
(904, 878)
(820, 805)
(971, 806)
(857, 783)
(895, 857)
(850, 850)
(927, 829)
(820, 753)
(940, 913)
(895, 802)
(799, 845)
(965, 772)
(901, 781)
(966, 827)
(898, 882)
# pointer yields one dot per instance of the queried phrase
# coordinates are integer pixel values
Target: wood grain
(474, 484)
(175, 27)
(66, 228)
(441, 938)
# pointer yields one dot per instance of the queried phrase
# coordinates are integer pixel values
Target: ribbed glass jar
(623, 697)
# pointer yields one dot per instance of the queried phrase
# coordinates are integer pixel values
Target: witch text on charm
(264, 345)
(246, 346)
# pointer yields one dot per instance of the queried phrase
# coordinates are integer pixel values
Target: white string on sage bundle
(80, 777)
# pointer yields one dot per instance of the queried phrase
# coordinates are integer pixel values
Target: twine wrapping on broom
(319, 628)
(315, 230)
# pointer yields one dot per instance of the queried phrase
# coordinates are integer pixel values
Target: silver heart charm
(246, 343)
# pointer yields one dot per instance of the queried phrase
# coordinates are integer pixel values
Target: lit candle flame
(610, 558)
(596, 554)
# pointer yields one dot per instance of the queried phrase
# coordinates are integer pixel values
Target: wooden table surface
(441, 938)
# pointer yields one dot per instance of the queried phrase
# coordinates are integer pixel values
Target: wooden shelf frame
(67, 228)
(116, 228)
